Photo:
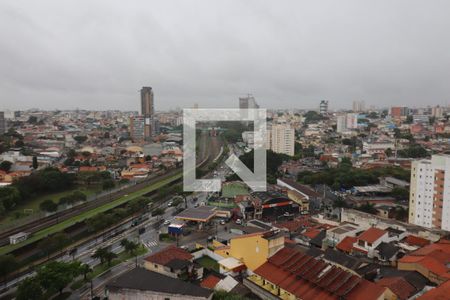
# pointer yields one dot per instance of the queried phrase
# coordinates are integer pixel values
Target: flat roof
(230, 263)
(199, 214)
(373, 189)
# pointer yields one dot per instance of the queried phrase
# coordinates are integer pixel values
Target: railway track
(39, 224)
(54, 219)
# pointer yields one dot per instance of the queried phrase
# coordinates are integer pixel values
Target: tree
(401, 213)
(6, 165)
(85, 269)
(223, 295)
(35, 162)
(80, 139)
(100, 253)
(79, 196)
(53, 243)
(400, 193)
(368, 208)
(9, 197)
(109, 256)
(388, 152)
(129, 246)
(32, 120)
(8, 264)
(414, 151)
(108, 184)
(30, 289)
(48, 206)
(56, 275)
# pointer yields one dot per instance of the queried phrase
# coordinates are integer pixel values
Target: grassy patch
(34, 204)
(78, 284)
(81, 217)
(208, 263)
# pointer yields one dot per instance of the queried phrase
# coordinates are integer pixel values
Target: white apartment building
(377, 147)
(429, 201)
(281, 139)
(358, 106)
(341, 123)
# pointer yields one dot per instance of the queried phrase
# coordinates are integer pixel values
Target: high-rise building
(148, 111)
(399, 111)
(281, 139)
(429, 200)
(437, 112)
(352, 121)
(247, 102)
(358, 106)
(341, 123)
(147, 105)
(137, 128)
(2, 123)
(323, 107)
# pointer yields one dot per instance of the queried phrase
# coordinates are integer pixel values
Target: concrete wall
(259, 291)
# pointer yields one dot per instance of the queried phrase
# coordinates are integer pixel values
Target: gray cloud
(97, 54)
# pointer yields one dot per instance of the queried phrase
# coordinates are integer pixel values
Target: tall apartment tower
(137, 128)
(147, 105)
(247, 102)
(399, 111)
(341, 123)
(148, 111)
(358, 106)
(437, 111)
(281, 139)
(429, 199)
(323, 107)
(2, 122)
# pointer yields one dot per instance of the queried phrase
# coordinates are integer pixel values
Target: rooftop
(372, 234)
(307, 277)
(201, 213)
(169, 254)
(145, 280)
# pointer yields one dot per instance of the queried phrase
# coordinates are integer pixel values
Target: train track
(54, 219)
(41, 223)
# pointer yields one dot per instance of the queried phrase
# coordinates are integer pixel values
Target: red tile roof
(416, 241)
(311, 232)
(310, 278)
(433, 257)
(399, 286)
(372, 234)
(168, 254)
(294, 225)
(441, 292)
(210, 282)
(346, 244)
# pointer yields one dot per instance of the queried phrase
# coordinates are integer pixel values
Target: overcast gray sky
(288, 54)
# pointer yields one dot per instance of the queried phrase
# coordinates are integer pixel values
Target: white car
(166, 222)
(239, 222)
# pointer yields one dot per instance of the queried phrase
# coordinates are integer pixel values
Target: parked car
(166, 222)
(170, 203)
(222, 222)
(238, 221)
